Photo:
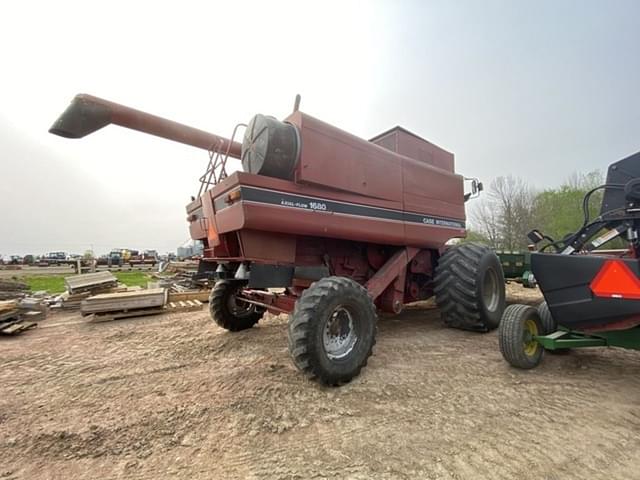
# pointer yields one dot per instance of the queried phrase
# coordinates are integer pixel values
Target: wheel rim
(238, 307)
(491, 290)
(530, 344)
(339, 335)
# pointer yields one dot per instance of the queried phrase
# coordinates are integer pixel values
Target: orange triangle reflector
(616, 280)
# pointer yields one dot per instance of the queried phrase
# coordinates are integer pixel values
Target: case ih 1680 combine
(325, 226)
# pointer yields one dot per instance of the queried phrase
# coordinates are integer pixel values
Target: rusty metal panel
(334, 158)
(410, 145)
(388, 141)
(432, 190)
(268, 246)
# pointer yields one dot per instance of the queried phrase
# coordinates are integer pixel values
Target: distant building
(190, 249)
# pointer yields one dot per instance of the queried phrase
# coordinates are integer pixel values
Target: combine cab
(325, 226)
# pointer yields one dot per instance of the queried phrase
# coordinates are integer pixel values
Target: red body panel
(268, 217)
(337, 159)
(410, 145)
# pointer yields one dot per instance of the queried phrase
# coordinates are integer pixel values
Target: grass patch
(50, 283)
(133, 279)
(55, 283)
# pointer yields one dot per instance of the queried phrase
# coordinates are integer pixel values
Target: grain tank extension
(325, 226)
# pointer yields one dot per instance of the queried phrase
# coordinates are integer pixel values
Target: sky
(534, 89)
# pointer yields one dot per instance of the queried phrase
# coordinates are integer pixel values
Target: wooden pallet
(124, 301)
(9, 315)
(184, 306)
(12, 323)
(200, 295)
(17, 327)
(8, 306)
(110, 316)
(172, 307)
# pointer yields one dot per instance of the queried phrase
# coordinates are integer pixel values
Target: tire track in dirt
(176, 396)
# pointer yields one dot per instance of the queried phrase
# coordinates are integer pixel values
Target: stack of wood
(33, 308)
(11, 318)
(186, 266)
(81, 287)
(88, 282)
(10, 289)
(112, 306)
(74, 300)
(179, 293)
(182, 287)
(189, 295)
(184, 306)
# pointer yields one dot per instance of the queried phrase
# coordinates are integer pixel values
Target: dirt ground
(175, 396)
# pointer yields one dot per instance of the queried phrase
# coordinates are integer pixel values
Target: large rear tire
(519, 324)
(228, 311)
(469, 287)
(332, 330)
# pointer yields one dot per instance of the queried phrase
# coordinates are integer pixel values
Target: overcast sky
(537, 89)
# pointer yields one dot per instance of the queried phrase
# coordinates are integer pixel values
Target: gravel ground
(175, 396)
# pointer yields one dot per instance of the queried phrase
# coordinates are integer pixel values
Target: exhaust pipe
(87, 114)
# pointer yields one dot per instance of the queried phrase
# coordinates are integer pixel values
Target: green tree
(475, 236)
(511, 208)
(559, 210)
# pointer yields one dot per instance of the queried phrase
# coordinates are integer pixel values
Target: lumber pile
(80, 287)
(73, 300)
(186, 266)
(90, 282)
(189, 295)
(10, 289)
(184, 306)
(182, 286)
(142, 312)
(8, 306)
(136, 303)
(34, 308)
(12, 319)
(129, 301)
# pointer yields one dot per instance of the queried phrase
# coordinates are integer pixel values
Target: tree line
(511, 207)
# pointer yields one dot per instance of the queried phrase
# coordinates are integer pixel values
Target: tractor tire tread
(220, 313)
(312, 301)
(456, 287)
(510, 337)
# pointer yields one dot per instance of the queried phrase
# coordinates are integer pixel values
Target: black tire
(230, 313)
(518, 323)
(549, 325)
(318, 341)
(469, 287)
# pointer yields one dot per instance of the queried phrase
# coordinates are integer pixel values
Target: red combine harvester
(325, 226)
